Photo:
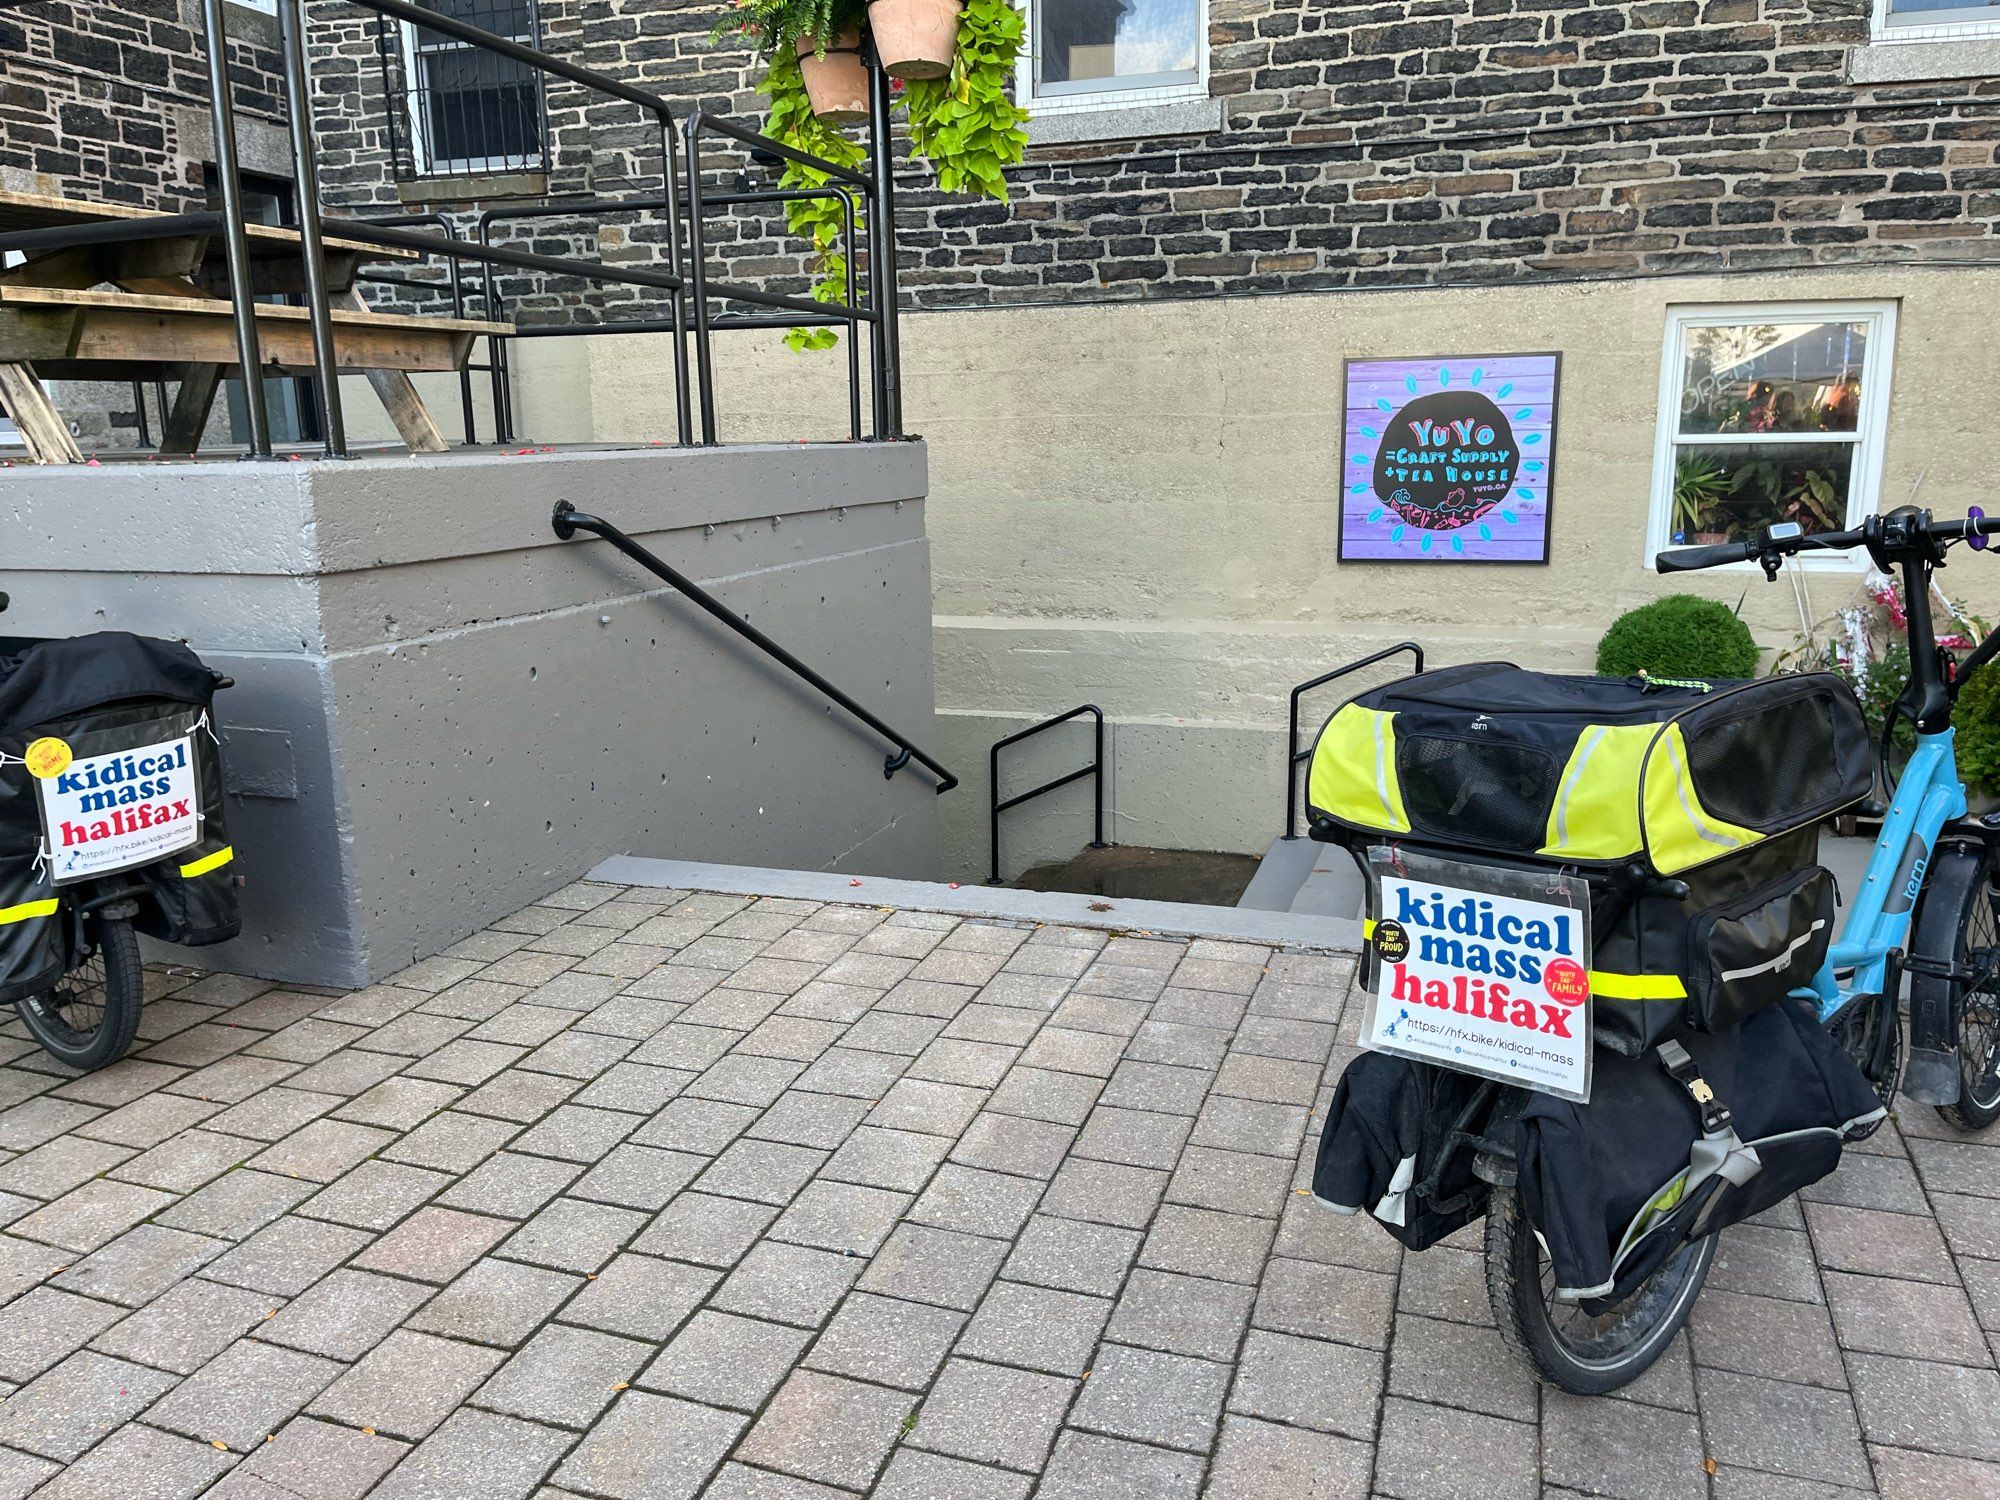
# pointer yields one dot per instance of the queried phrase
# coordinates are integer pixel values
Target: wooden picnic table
(153, 305)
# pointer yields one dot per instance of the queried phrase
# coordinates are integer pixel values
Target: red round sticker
(1566, 981)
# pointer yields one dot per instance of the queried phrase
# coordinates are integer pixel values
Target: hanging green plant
(964, 123)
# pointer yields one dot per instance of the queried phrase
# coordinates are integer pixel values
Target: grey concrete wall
(442, 712)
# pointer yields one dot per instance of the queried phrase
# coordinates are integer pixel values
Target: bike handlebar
(1769, 550)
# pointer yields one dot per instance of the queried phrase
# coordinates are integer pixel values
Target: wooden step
(72, 334)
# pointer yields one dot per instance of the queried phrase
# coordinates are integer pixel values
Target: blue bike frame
(1928, 796)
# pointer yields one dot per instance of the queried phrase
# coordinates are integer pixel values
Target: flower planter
(836, 80)
(915, 38)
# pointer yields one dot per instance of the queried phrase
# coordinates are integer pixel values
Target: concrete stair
(1312, 879)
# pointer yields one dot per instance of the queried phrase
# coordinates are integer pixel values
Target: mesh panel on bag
(1487, 793)
(1794, 759)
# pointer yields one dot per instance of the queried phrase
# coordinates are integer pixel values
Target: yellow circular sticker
(48, 757)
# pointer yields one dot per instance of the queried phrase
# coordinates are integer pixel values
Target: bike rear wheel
(1567, 1347)
(89, 1017)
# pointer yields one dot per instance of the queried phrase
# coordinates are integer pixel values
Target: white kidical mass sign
(105, 813)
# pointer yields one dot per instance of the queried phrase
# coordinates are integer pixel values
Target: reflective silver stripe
(1771, 965)
(1710, 835)
(1382, 768)
(1569, 786)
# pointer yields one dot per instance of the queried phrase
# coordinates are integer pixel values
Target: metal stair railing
(685, 236)
(1294, 756)
(567, 521)
(1095, 770)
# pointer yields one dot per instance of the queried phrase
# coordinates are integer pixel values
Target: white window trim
(1115, 98)
(1871, 425)
(1942, 31)
(414, 90)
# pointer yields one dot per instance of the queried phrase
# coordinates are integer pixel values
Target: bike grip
(1688, 559)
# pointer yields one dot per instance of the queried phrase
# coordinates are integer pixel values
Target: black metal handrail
(1095, 770)
(878, 309)
(1294, 756)
(601, 206)
(292, 28)
(567, 521)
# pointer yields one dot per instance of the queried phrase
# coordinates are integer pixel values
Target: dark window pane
(513, 19)
(1941, 12)
(1773, 377)
(1114, 43)
(1726, 491)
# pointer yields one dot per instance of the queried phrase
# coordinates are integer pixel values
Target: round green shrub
(1976, 717)
(1678, 636)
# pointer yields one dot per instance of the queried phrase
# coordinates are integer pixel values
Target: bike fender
(1931, 1074)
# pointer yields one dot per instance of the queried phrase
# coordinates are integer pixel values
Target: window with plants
(1770, 414)
(952, 63)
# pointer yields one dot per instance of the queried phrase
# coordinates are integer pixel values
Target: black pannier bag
(1721, 786)
(1388, 1148)
(1617, 1185)
(100, 694)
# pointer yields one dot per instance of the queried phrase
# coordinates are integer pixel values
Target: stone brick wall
(96, 99)
(1372, 144)
(109, 102)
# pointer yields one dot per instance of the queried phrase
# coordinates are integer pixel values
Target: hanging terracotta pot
(836, 80)
(915, 38)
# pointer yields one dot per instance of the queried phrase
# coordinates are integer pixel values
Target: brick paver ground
(648, 1194)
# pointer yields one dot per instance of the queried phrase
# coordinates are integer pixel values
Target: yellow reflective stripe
(1353, 775)
(27, 909)
(1595, 815)
(1608, 986)
(1680, 832)
(209, 862)
(1368, 927)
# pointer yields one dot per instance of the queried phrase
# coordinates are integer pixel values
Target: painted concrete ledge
(1174, 918)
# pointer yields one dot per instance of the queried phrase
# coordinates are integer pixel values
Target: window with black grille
(462, 110)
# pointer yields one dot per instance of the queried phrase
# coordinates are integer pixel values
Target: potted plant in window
(961, 111)
(1698, 484)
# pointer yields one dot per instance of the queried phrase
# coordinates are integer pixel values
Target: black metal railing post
(697, 278)
(995, 806)
(670, 171)
(236, 237)
(312, 243)
(567, 521)
(882, 249)
(1294, 756)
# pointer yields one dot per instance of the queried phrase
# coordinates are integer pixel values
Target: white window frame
(1083, 102)
(415, 91)
(267, 7)
(1930, 31)
(1871, 423)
